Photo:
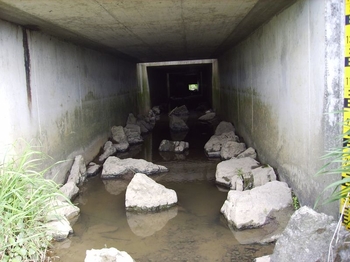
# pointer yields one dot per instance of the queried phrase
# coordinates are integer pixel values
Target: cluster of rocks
(131, 134)
(257, 205)
(62, 213)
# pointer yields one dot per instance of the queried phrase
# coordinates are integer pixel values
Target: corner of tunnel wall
(143, 93)
(278, 86)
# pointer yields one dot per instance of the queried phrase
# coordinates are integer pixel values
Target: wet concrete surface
(194, 230)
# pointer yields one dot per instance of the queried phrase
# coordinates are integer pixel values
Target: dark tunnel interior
(176, 85)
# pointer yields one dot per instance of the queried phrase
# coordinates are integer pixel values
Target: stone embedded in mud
(308, 237)
(144, 194)
(107, 255)
(228, 171)
(176, 124)
(173, 146)
(114, 167)
(252, 208)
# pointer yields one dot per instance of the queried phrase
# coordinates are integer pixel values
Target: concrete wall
(69, 98)
(276, 87)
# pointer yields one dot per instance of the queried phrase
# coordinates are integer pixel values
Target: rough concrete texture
(276, 87)
(146, 30)
(70, 97)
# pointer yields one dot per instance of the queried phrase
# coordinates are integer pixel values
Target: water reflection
(146, 224)
(191, 231)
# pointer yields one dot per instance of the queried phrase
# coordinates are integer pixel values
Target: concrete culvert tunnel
(72, 70)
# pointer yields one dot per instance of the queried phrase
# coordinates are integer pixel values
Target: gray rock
(144, 125)
(108, 150)
(120, 139)
(70, 190)
(307, 238)
(263, 175)
(214, 145)
(250, 152)
(78, 170)
(114, 167)
(173, 146)
(156, 110)
(176, 124)
(107, 255)
(131, 119)
(133, 134)
(59, 209)
(252, 208)
(231, 149)
(229, 171)
(59, 229)
(144, 194)
(180, 111)
(151, 117)
(207, 117)
(93, 169)
(224, 127)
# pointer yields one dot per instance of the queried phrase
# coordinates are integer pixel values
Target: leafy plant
(296, 203)
(338, 163)
(25, 197)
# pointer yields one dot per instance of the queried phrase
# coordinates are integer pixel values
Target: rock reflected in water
(146, 224)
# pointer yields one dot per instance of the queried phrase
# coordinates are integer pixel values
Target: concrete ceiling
(146, 30)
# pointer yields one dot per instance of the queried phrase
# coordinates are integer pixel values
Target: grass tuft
(25, 197)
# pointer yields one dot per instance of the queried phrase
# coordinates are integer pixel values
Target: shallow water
(192, 231)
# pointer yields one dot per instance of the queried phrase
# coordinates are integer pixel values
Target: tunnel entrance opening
(177, 83)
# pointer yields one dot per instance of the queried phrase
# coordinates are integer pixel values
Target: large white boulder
(251, 208)
(114, 167)
(144, 194)
(107, 255)
(229, 171)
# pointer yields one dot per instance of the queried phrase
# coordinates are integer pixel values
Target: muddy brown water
(194, 230)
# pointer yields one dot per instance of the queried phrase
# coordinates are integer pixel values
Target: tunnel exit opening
(176, 83)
